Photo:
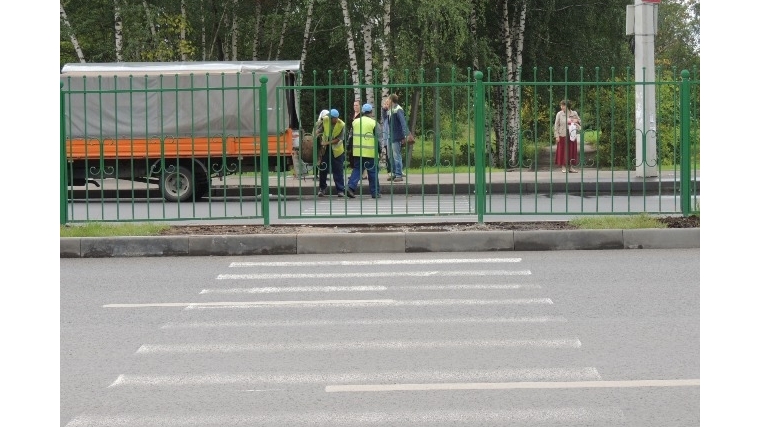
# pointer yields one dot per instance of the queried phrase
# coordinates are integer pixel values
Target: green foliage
(614, 118)
(678, 34)
(617, 222)
(591, 136)
(423, 33)
(167, 45)
(611, 111)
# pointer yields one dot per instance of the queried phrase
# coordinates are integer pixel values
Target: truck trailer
(176, 124)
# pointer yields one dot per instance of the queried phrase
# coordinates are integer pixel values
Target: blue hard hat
(367, 108)
(334, 113)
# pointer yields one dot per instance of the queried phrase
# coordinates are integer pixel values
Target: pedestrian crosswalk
(429, 341)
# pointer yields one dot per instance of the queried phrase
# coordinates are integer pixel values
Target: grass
(98, 229)
(617, 222)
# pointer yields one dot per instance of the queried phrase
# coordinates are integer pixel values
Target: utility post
(641, 22)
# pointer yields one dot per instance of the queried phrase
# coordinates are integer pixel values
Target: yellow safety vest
(332, 132)
(365, 144)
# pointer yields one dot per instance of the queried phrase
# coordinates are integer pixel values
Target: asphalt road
(558, 338)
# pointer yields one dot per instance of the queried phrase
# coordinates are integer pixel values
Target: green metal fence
(484, 147)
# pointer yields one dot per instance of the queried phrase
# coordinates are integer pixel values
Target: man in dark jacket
(399, 134)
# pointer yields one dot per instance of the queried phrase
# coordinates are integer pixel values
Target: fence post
(264, 149)
(685, 143)
(480, 173)
(64, 181)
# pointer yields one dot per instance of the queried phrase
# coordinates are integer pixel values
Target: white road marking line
(276, 289)
(533, 416)
(355, 345)
(312, 276)
(362, 322)
(285, 289)
(395, 376)
(247, 303)
(444, 302)
(445, 261)
(462, 287)
(512, 386)
(348, 303)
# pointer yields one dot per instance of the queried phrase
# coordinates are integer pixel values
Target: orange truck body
(177, 124)
(183, 147)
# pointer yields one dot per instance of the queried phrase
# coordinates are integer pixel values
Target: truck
(176, 124)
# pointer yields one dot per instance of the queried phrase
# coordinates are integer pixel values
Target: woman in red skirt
(566, 130)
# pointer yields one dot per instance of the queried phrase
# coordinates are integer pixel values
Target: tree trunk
(271, 39)
(385, 47)
(256, 32)
(306, 37)
(150, 20)
(73, 37)
(234, 29)
(117, 27)
(226, 25)
(216, 42)
(182, 35)
(507, 129)
(513, 110)
(203, 34)
(351, 50)
(367, 34)
(285, 17)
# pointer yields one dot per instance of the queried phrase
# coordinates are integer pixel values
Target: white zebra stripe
(395, 376)
(312, 276)
(444, 261)
(362, 322)
(262, 347)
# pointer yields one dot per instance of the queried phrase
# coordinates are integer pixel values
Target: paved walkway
(521, 180)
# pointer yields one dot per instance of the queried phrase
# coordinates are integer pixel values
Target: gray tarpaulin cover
(150, 99)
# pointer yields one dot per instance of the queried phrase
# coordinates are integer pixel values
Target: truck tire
(177, 186)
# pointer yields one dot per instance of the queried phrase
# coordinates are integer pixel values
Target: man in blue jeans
(365, 133)
(399, 134)
(329, 134)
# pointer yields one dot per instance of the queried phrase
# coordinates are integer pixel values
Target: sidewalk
(513, 182)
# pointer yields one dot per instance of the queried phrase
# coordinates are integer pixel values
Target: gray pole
(642, 23)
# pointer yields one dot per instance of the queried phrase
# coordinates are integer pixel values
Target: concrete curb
(395, 242)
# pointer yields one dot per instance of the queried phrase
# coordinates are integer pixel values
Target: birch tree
(203, 35)
(385, 45)
(183, 33)
(150, 20)
(285, 17)
(256, 32)
(306, 39)
(234, 31)
(507, 129)
(353, 64)
(367, 35)
(217, 42)
(117, 30)
(72, 36)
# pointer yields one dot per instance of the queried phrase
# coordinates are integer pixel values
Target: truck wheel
(177, 186)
